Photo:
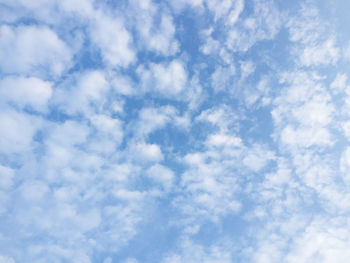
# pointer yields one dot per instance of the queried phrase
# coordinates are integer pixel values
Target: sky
(174, 131)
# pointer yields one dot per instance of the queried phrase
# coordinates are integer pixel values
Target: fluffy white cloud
(210, 183)
(324, 53)
(211, 46)
(86, 88)
(257, 157)
(83, 7)
(304, 112)
(314, 46)
(33, 50)
(247, 68)
(123, 85)
(130, 260)
(222, 140)
(152, 119)
(222, 117)
(169, 80)
(264, 23)
(26, 92)
(33, 191)
(6, 177)
(222, 78)
(191, 252)
(307, 27)
(162, 175)
(322, 241)
(179, 5)
(345, 163)
(4, 259)
(227, 9)
(145, 152)
(69, 133)
(83, 93)
(339, 84)
(305, 137)
(114, 41)
(108, 134)
(156, 34)
(17, 131)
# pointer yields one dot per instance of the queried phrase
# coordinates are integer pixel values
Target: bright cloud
(31, 50)
(174, 131)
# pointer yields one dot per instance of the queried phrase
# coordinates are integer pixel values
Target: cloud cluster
(173, 131)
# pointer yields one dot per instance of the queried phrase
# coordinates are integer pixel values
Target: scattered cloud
(218, 130)
(33, 51)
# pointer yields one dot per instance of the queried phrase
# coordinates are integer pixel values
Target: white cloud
(210, 188)
(223, 117)
(108, 260)
(210, 182)
(179, 5)
(164, 42)
(220, 140)
(346, 129)
(227, 8)
(109, 126)
(145, 152)
(83, 180)
(6, 177)
(108, 134)
(260, 94)
(321, 54)
(152, 119)
(340, 83)
(314, 46)
(168, 80)
(306, 27)
(26, 92)
(322, 241)
(316, 112)
(41, 9)
(235, 13)
(281, 177)
(346, 52)
(306, 137)
(32, 50)
(247, 68)
(222, 78)
(268, 252)
(33, 191)
(162, 175)
(114, 41)
(130, 260)
(123, 85)
(304, 112)
(263, 24)
(84, 93)
(257, 157)
(17, 131)
(345, 164)
(4, 259)
(61, 152)
(155, 28)
(69, 133)
(211, 46)
(191, 252)
(83, 7)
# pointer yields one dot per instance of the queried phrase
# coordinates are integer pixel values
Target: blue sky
(138, 131)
